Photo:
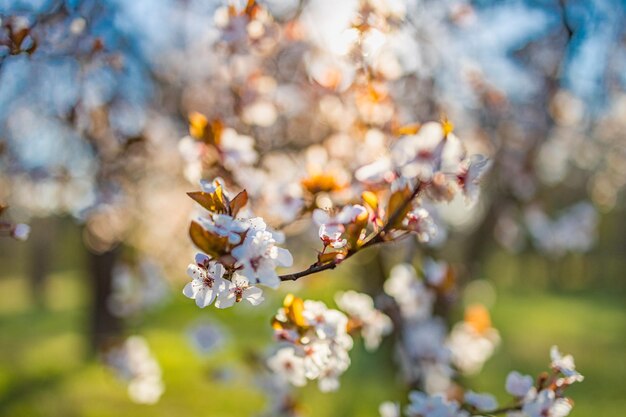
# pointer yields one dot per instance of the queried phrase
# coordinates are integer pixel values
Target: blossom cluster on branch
(540, 397)
(315, 340)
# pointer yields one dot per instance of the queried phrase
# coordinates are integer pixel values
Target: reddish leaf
(238, 202)
(211, 202)
(397, 203)
(209, 243)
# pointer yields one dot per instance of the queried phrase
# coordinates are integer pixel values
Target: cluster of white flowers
(208, 284)
(430, 355)
(432, 155)
(242, 252)
(545, 399)
(315, 339)
(133, 362)
(314, 343)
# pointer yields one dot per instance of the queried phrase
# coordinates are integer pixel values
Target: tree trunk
(105, 327)
(41, 245)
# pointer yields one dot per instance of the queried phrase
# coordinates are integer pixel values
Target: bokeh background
(94, 97)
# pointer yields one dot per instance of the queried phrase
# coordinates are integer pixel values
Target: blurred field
(45, 369)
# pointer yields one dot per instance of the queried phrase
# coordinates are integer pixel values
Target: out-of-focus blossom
(565, 365)
(286, 364)
(483, 402)
(21, 231)
(545, 403)
(473, 341)
(517, 384)
(415, 300)
(206, 337)
(317, 343)
(423, 405)
(389, 409)
(360, 308)
(133, 362)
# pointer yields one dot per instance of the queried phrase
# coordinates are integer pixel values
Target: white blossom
(236, 290)
(206, 280)
(258, 256)
(133, 362)
(286, 364)
(546, 404)
(225, 226)
(374, 324)
(517, 384)
(565, 365)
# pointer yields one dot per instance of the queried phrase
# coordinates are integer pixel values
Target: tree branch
(379, 237)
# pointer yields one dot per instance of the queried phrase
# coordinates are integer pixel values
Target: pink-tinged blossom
(333, 226)
(470, 172)
(206, 279)
(258, 257)
(236, 290)
(421, 223)
(417, 156)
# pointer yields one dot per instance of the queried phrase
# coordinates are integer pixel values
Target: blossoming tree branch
(373, 183)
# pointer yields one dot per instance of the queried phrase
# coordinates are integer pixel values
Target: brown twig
(379, 237)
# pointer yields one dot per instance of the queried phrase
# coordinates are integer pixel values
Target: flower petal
(189, 290)
(225, 299)
(254, 295)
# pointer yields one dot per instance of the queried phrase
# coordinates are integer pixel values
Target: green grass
(45, 369)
